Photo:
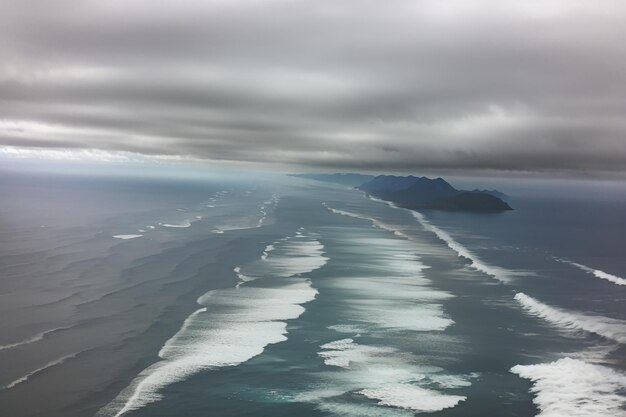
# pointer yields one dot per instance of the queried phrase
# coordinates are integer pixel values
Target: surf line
(595, 272)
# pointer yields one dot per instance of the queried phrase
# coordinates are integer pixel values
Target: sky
(529, 86)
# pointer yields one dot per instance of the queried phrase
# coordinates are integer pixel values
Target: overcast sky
(528, 85)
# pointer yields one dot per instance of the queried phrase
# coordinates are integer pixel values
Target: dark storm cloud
(401, 85)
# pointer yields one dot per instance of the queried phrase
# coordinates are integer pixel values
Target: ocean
(141, 296)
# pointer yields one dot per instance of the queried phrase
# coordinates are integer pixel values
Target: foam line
(242, 323)
(345, 351)
(126, 237)
(35, 338)
(604, 326)
(574, 388)
(232, 326)
(266, 251)
(413, 398)
(596, 272)
(383, 374)
(375, 222)
(500, 274)
(183, 224)
(38, 370)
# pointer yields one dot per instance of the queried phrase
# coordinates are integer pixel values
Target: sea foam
(38, 370)
(126, 237)
(596, 272)
(380, 373)
(574, 388)
(396, 296)
(498, 273)
(375, 222)
(604, 326)
(242, 322)
(183, 224)
(232, 326)
(33, 339)
(294, 255)
(342, 352)
(411, 397)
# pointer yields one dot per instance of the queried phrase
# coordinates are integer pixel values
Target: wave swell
(604, 326)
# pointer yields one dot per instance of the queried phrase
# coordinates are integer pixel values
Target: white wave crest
(33, 339)
(126, 237)
(412, 397)
(233, 325)
(596, 272)
(342, 352)
(293, 255)
(242, 322)
(266, 251)
(375, 222)
(498, 273)
(38, 370)
(384, 374)
(604, 326)
(183, 224)
(573, 388)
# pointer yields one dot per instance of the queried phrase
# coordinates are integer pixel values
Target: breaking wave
(38, 370)
(232, 326)
(596, 272)
(574, 388)
(33, 339)
(498, 273)
(604, 326)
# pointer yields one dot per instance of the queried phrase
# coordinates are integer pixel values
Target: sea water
(291, 297)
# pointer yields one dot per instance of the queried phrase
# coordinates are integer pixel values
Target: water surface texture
(293, 297)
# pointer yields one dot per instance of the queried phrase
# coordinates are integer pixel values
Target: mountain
(467, 201)
(494, 193)
(349, 179)
(425, 193)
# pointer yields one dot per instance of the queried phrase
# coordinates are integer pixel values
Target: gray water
(292, 297)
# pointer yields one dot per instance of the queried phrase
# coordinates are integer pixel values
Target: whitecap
(183, 224)
(342, 352)
(379, 373)
(413, 398)
(596, 272)
(126, 237)
(375, 222)
(498, 273)
(33, 339)
(266, 251)
(604, 326)
(232, 326)
(574, 388)
(241, 324)
(38, 370)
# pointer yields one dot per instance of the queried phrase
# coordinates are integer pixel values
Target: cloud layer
(533, 85)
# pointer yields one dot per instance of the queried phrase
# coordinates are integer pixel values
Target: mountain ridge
(437, 194)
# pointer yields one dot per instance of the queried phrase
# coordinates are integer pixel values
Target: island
(419, 193)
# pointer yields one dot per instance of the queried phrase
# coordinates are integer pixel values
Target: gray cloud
(403, 85)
